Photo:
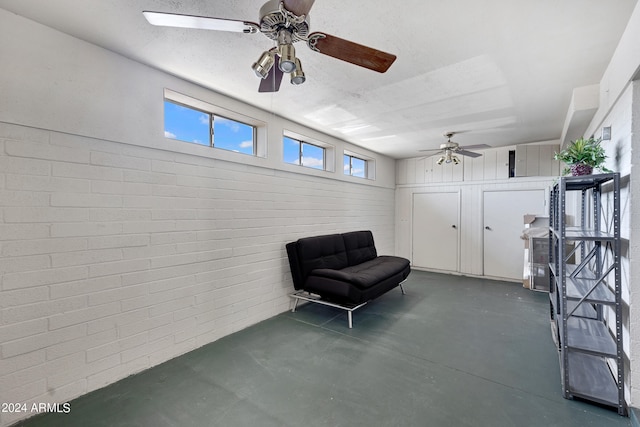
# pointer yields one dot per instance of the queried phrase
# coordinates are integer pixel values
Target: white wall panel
(403, 211)
(550, 167)
(489, 157)
(502, 163)
(478, 168)
(521, 162)
(533, 160)
(421, 169)
(457, 173)
(624, 120)
(632, 271)
(437, 171)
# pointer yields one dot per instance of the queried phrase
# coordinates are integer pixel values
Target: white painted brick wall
(634, 250)
(115, 258)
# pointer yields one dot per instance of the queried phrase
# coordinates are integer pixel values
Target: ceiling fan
(286, 22)
(449, 150)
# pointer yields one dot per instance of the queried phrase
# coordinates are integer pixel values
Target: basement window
(201, 127)
(187, 124)
(355, 166)
(191, 120)
(359, 165)
(298, 152)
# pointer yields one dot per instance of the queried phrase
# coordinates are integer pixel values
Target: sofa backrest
(360, 246)
(310, 253)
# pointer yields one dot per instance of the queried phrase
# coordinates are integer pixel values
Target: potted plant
(582, 156)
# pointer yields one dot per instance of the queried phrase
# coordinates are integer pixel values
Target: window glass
(312, 156)
(347, 164)
(192, 125)
(358, 167)
(232, 135)
(291, 150)
(302, 153)
(355, 166)
(186, 124)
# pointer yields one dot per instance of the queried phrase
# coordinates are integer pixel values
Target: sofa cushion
(366, 274)
(360, 246)
(321, 252)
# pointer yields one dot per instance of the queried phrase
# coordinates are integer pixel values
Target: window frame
(213, 136)
(189, 107)
(324, 154)
(351, 158)
(301, 145)
(259, 139)
(328, 151)
(369, 165)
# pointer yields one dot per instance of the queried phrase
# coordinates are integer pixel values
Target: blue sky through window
(354, 166)
(231, 135)
(291, 151)
(191, 125)
(185, 124)
(312, 156)
(298, 152)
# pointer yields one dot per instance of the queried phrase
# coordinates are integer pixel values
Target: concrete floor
(454, 351)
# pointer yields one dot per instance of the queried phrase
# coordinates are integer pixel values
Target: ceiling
(500, 72)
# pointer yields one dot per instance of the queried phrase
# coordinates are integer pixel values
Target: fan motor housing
(272, 20)
(449, 146)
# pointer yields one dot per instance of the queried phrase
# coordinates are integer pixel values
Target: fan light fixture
(287, 52)
(297, 76)
(287, 58)
(264, 64)
(448, 157)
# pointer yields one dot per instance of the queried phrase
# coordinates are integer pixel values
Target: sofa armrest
(294, 264)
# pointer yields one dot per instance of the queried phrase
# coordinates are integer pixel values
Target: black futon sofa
(343, 270)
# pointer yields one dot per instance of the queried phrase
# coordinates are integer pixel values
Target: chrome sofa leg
(349, 308)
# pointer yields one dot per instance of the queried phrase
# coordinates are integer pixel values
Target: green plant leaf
(587, 151)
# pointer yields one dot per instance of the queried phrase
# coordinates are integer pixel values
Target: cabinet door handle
(454, 226)
(487, 228)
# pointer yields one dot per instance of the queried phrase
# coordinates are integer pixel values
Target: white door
(435, 230)
(503, 224)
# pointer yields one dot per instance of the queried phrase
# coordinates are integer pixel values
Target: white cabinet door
(503, 224)
(536, 160)
(436, 218)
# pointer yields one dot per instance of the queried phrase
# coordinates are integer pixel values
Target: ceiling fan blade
(272, 82)
(298, 7)
(348, 51)
(467, 153)
(431, 149)
(200, 22)
(475, 147)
